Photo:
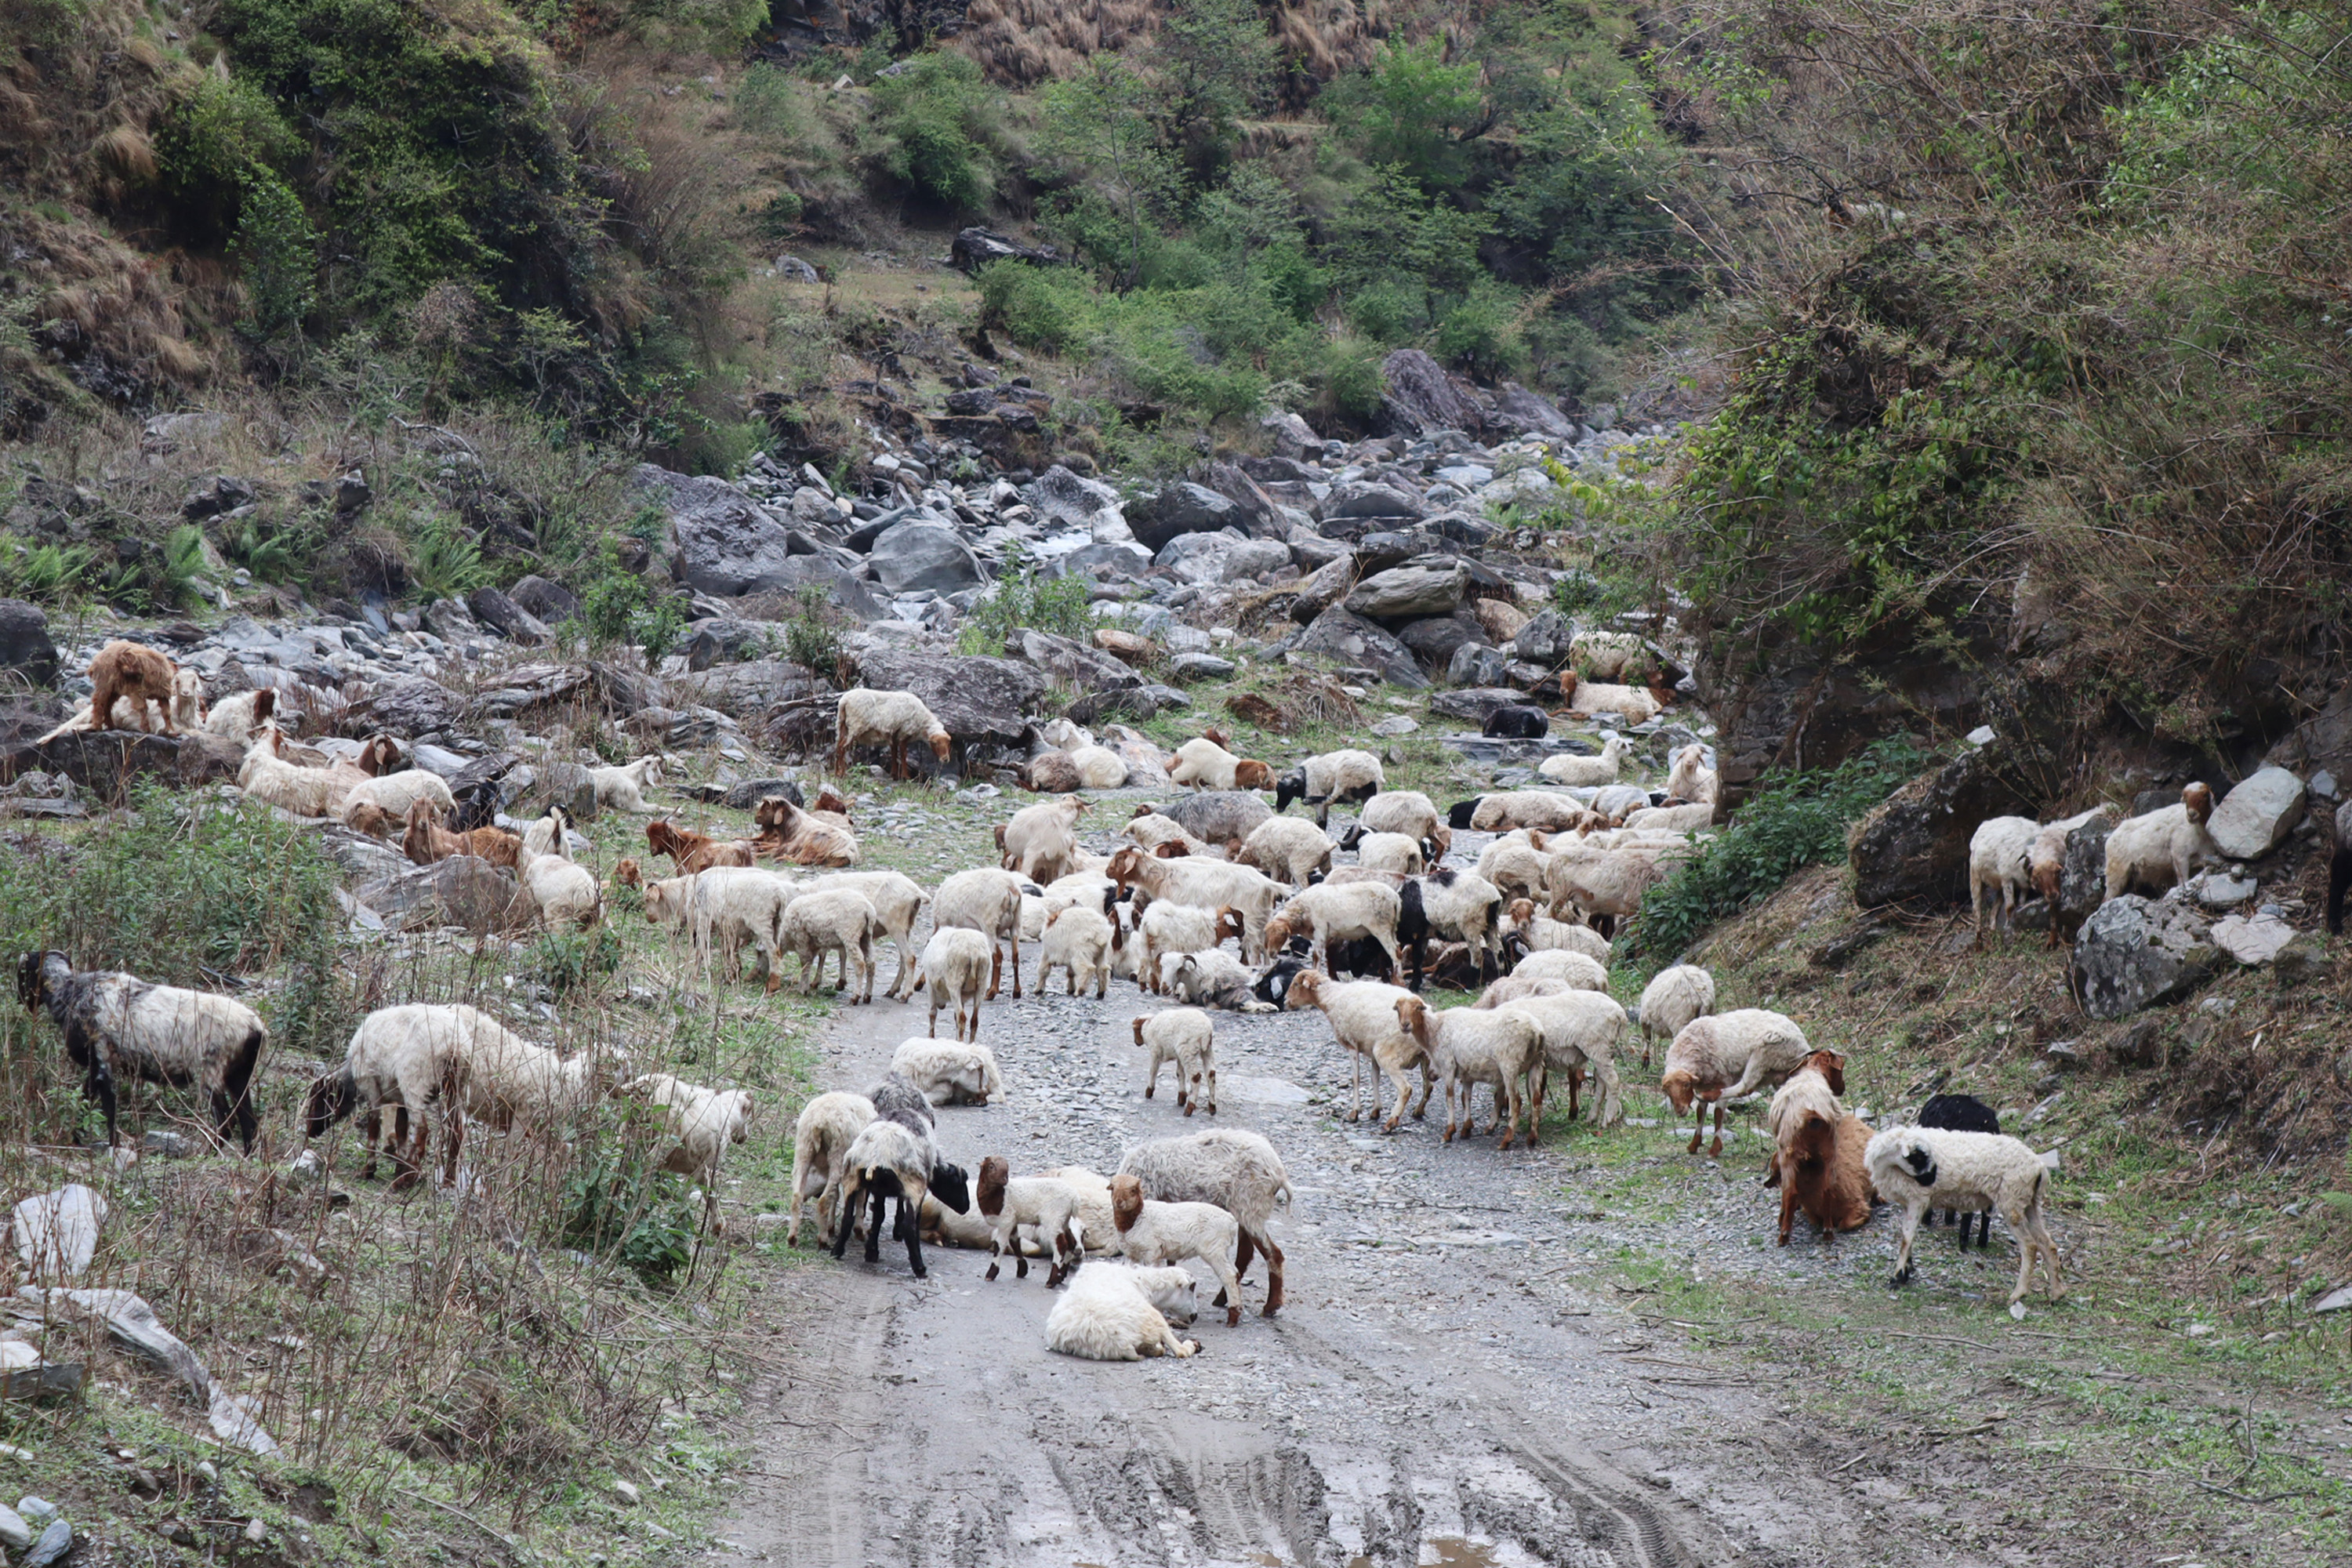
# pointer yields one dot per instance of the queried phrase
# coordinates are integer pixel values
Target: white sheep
(1523, 920)
(1185, 1036)
(1920, 1167)
(2163, 848)
(699, 1124)
(1690, 778)
(1581, 1031)
(821, 1139)
(1325, 914)
(1288, 848)
(1093, 1188)
(987, 900)
(1152, 1232)
(896, 1156)
(949, 1074)
(240, 715)
(1998, 866)
(1209, 884)
(890, 719)
(1692, 818)
(956, 965)
(116, 1024)
(267, 776)
(1044, 1204)
(415, 1058)
(1411, 813)
(393, 794)
(1518, 866)
(1567, 768)
(1540, 808)
(1391, 852)
(839, 922)
(1115, 1311)
(1098, 767)
(1634, 704)
(722, 909)
(1214, 977)
(1236, 1171)
(1727, 1057)
(1673, 996)
(1580, 970)
(508, 1079)
(1169, 926)
(1078, 939)
(1363, 1019)
(1603, 884)
(623, 788)
(1345, 776)
(1150, 829)
(565, 893)
(1616, 803)
(1470, 1046)
(1204, 764)
(1604, 656)
(1041, 841)
(898, 901)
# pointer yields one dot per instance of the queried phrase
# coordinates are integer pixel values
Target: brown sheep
(787, 833)
(693, 851)
(1821, 1169)
(125, 669)
(427, 841)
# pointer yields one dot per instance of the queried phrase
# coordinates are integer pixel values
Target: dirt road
(1440, 1388)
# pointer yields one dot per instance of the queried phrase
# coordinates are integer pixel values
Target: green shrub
(617, 605)
(810, 638)
(937, 119)
(1061, 605)
(620, 1206)
(445, 562)
(569, 960)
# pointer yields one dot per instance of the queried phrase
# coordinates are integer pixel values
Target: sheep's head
(1250, 773)
(1230, 923)
(1460, 815)
(628, 874)
(1293, 786)
(663, 901)
(942, 743)
(33, 978)
(1216, 737)
(1124, 865)
(2198, 798)
(1413, 1016)
(1174, 850)
(1519, 911)
(988, 1192)
(1681, 1087)
(265, 703)
(1126, 1202)
(370, 818)
(330, 1100)
(1278, 930)
(661, 839)
(951, 1184)
(1566, 686)
(831, 799)
(1832, 1067)
(1306, 990)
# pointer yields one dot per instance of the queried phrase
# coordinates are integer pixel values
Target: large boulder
(976, 247)
(1418, 398)
(1473, 704)
(1260, 512)
(725, 545)
(748, 689)
(2256, 817)
(508, 619)
(525, 687)
(1433, 639)
(1524, 413)
(1057, 495)
(1292, 438)
(463, 890)
(1916, 846)
(409, 706)
(1431, 585)
(1075, 664)
(2136, 953)
(2082, 872)
(1183, 508)
(1220, 557)
(1545, 639)
(24, 645)
(979, 701)
(843, 587)
(917, 554)
(1370, 503)
(1323, 587)
(104, 762)
(1351, 640)
(550, 601)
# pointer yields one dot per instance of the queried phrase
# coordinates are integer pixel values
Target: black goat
(1516, 721)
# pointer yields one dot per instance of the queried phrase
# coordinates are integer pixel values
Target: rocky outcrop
(24, 645)
(1915, 847)
(980, 701)
(918, 555)
(1419, 397)
(2256, 817)
(725, 545)
(1429, 585)
(1181, 509)
(1348, 639)
(104, 762)
(463, 890)
(2136, 953)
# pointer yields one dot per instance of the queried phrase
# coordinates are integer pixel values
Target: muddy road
(1448, 1381)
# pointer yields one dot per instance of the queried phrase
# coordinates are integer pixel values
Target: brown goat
(627, 874)
(126, 670)
(691, 851)
(787, 833)
(427, 841)
(1822, 1171)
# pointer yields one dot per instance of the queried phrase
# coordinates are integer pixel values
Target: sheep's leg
(934, 1030)
(1398, 1076)
(1575, 1083)
(1715, 1148)
(1230, 1291)
(995, 970)
(1903, 1248)
(848, 1200)
(1273, 1275)
(873, 1227)
(1511, 1127)
(1212, 1092)
(1152, 1080)
(1428, 1081)
(1016, 963)
(910, 1206)
(1698, 1129)
(2029, 1251)
(1788, 1203)
(996, 1251)
(374, 1120)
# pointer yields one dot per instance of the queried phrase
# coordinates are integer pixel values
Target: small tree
(1098, 125)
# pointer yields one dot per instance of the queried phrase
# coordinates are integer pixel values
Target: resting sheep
(1411, 813)
(1363, 1017)
(890, 719)
(2164, 848)
(623, 788)
(393, 794)
(424, 841)
(1507, 809)
(821, 1139)
(1214, 978)
(691, 851)
(116, 1026)
(1606, 656)
(1516, 722)
(1919, 1167)
(1542, 934)
(1727, 1057)
(1345, 776)
(1998, 867)
(564, 893)
(1581, 971)
(1635, 704)
(839, 922)
(267, 776)
(1672, 998)
(1502, 1047)
(1238, 1172)
(1690, 778)
(949, 1074)
(241, 714)
(955, 966)
(1693, 818)
(1116, 1312)
(1081, 767)
(1185, 1036)
(1567, 768)
(782, 831)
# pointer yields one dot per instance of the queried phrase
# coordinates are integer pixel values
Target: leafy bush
(568, 960)
(50, 573)
(1025, 600)
(810, 638)
(1779, 832)
(939, 122)
(621, 1206)
(617, 605)
(445, 561)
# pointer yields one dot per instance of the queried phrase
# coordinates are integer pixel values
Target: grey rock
(1524, 413)
(353, 493)
(1355, 501)
(1261, 514)
(1545, 638)
(747, 691)
(1057, 495)
(1476, 664)
(56, 1539)
(2083, 873)
(550, 601)
(167, 433)
(2304, 960)
(1200, 666)
(15, 1533)
(2254, 942)
(725, 545)
(748, 792)
(215, 494)
(1432, 585)
(24, 643)
(978, 701)
(1075, 664)
(1219, 815)
(2135, 953)
(55, 1233)
(1350, 639)
(1419, 398)
(526, 687)
(1916, 846)
(2220, 890)
(794, 269)
(916, 556)
(100, 764)
(567, 785)
(2256, 817)
(720, 640)
(1293, 437)
(1433, 639)
(508, 619)
(1220, 557)
(1395, 724)
(1323, 588)
(2335, 1301)
(361, 858)
(1473, 704)
(464, 890)
(451, 620)
(1181, 508)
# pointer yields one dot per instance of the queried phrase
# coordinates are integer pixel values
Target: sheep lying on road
(1116, 1312)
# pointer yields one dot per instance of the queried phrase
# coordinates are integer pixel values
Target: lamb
(1516, 722)
(116, 1026)
(1211, 884)
(896, 1156)
(784, 832)
(1604, 885)
(821, 1139)
(240, 715)
(897, 901)
(1346, 776)
(1391, 852)
(1153, 1232)
(1042, 1203)
(1503, 1048)
(267, 776)
(623, 788)
(413, 1058)
(1517, 865)
(1287, 848)
(1081, 767)
(1542, 933)
(1214, 977)
(1581, 1030)
(1327, 914)
(393, 794)
(1810, 1164)
(1041, 840)
(425, 841)
(1581, 971)
(1635, 704)
(1078, 939)
(1167, 927)
(1507, 809)
(1238, 1172)
(128, 672)
(989, 902)
(1411, 813)
(2045, 859)
(1458, 905)
(1093, 1188)
(1690, 778)
(1567, 768)
(1185, 1036)
(1918, 1167)
(1672, 998)
(957, 963)
(1998, 852)
(691, 851)
(838, 921)
(1364, 1020)
(564, 892)
(949, 1074)
(1727, 1057)
(1115, 1311)
(2164, 848)
(1692, 818)
(1963, 1114)
(892, 719)
(1204, 764)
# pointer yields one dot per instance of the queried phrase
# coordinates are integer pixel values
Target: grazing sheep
(949, 1074)
(1603, 885)
(1963, 1114)
(1153, 831)
(1209, 884)
(896, 1156)
(1185, 1036)
(1581, 1031)
(1635, 704)
(413, 1058)
(1542, 934)
(1411, 813)
(1672, 998)
(564, 893)
(1214, 978)
(1391, 852)
(2164, 848)
(124, 671)
(989, 902)
(1518, 864)
(1997, 865)
(1041, 841)
(623, 788)
(1458, 905)
(241, 714)
(955, 966)
(1081, 767)
(1203, 763)
(2045, 859)
(1502, 1047)
(1919, 1167)
(1727, 1057)
(898, 901)
(116, 1026)
(1581, 971)
(1116, 1312)
(1078, 939)
(839, 922)
(821, 1139)
(1671, 818)
(1153, 1232)
(1507, 809)
(1690, 778)
(1237, 1171)
(702, 1122)
(1222, 816)
(1345, 776)
(508, 1079)
(267, 776)
(784, 832)
(393, 794)
(1803, 1120)
(424, 841)
(1287, 848)
(1516, 722)
(890, 719)
(1567, 768)
(1325, 914)
(691, 851)
(1043, 1203)
(1364, 1020)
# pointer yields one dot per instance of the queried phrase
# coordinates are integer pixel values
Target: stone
(1261, 514)
(720, 640)
(1181, 508)
(1075, 664)
(1396, 724)
(979, 701)
(748, 689)
(2252, 942)
(726, 546)
(55, 1233)
(2256, 817)
(853, 593)
(976, 247)
(407, 705)
(1431, 585)
(1350, 639)
(1501, 620)
(508, 619)
(792, 268)
(550, 601)
(1220, 557)
(1916, 845)
(1322, 588)
(1200, 666)
(747, 792)
(1418, 398)
(526, 687)
(1473, 704)
(463, 890)
(2220, 890)
(215, 494)
(102, 763)
(451, 620)
(1524, 413)
(1544, 638)
(1356, 501)
(24, 645)
(1057, 495)
(15, 1533)
(2135, 953)
(57, 1539)
(1476, 664)
(167, 433)
(627, 1493)
(916, 555)
(2335, 1301)
(1435, 638)
(2303, 961)
(1128, 648)
(353, 493)
(1103, 559)
(1293, 437)
(1214, 813)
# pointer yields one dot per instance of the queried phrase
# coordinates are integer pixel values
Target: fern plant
(446, 562)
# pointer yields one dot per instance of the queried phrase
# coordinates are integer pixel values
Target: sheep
(1098, 1234)
(1673, 996)
(864, 717)
(782, 831)
(1078, 939)
(1635, 704)
(415, 1058)
(1152, 830)
(989, 902)
(623, 788)
(1327, 914)
(691, 851)
(1185, 1036)
(424, 841)
(956, 963)
(2164, 848)
(1507, 809)
(1364, 1020)
(1542, 933)
(1997, 865)
(1391, 852)
(897, 901)
(118, 1026)
(896, 1156)
(1729, 1056)
(1604, 885)
(1214, 977)
(1516, 722)
(1963, 1114)
(240, 715)
(393, 794)
(1045, 1205)
(1919, 1167)
(1222, 816)
(1151, 1231)
(1204, 764)
(1803, 1120)
(1691, 818)
(2045, 859)
(1115, 1311)
(507, 1078)
(1581, 971)
(1081, 767)
(1288, 848)
(1041, 840)
(562, 892)
(949, 1074)
(1211, 884)
(1615, 804)
(1234, 1170)
(267, 777)
(1688, 777)
(1167, 927)
(821, 1139)
(1567, 768)
(1503, 1048)
(1581, 1031)
(1411, 813)
(1345, 776)
(839, 922)
(126, 671)
(187, 710)
(1458, 905)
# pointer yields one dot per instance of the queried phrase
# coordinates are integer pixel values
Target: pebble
(56, 1541)
(627, 1493)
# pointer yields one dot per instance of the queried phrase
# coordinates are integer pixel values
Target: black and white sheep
(119, 1026)
(1460, 906)
(1963, 1114)
(1346, 777)
(1919, 1167)
(896, 1156)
